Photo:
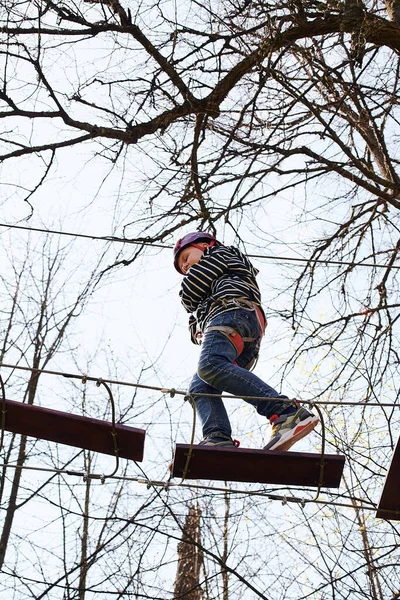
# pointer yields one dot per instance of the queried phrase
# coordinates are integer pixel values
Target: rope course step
(258, 466)
(389, 503)
(73, 430)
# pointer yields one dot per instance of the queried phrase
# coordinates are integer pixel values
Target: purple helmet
(190, 239)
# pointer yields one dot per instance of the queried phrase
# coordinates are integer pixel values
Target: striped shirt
(222, 274)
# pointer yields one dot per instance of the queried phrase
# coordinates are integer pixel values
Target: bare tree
(229, 109)
(253, 102)
(37, 329)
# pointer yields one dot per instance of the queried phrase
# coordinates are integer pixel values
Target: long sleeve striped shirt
(223, 273)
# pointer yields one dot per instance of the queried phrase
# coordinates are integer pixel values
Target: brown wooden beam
(389, 503)
(73, 430)
(258, 466)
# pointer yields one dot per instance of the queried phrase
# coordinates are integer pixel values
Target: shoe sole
(295, 435)
(218, 445)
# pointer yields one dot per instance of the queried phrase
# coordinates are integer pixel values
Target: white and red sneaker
(289, 429)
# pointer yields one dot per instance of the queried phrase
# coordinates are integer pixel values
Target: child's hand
(193, 330)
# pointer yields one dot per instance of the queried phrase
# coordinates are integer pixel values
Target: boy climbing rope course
(220, 291)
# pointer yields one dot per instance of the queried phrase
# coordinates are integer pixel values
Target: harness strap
(234, 337)
(246, 305)
(237, 340)
(261, 319)
(200, 247)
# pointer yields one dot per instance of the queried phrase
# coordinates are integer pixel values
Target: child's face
(190, 256)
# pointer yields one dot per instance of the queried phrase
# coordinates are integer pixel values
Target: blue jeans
(217, 373)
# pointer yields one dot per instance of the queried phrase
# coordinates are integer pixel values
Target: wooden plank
(389, 503)
(73, 430)
(258, 466)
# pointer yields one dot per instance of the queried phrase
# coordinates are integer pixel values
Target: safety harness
(234, 337)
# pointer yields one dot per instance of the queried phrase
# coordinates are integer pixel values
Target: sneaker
(219, 441)
(289, 429)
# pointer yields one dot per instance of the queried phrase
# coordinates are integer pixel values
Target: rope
(173, 391)
(362, 504)
(189, 454)
(322, 456)
(114, 434)
(113, 428)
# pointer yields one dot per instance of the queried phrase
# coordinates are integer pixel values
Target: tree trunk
(190, 559)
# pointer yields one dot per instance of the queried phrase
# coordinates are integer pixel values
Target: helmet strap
(209, 245)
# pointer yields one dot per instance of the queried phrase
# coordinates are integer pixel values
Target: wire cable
(173, 391)
(167, 485)
(104, 238)
(283, 259)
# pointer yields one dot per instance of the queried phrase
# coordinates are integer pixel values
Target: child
(220, 287)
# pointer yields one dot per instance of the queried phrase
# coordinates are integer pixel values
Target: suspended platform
(258, 466)
(73, 430)
(389, 503)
